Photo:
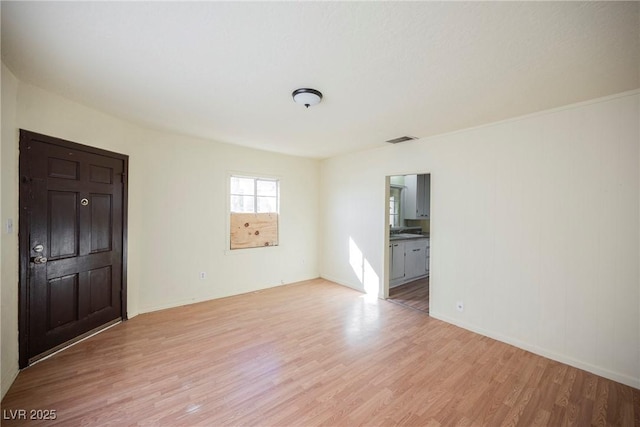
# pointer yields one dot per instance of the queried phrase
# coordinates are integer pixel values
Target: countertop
(407, 236)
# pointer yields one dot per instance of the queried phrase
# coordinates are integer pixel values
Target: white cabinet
(396, 257)
(408, 260)
(410, 197)
(426, 266)
(417, 201)
(423, 196)
(415, 253)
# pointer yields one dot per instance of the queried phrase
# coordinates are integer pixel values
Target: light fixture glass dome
(307, 96)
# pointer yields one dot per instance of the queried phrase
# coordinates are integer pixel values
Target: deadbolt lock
(38, 248)
(84, 202)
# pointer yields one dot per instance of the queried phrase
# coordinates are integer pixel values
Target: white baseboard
(606, 373)
(8, 379)
(342, 283)
(188, 301)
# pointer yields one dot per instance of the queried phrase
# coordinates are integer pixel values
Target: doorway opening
(408, 229)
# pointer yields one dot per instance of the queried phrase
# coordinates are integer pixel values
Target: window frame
(400, 203)
(256, 176)
(255, 194)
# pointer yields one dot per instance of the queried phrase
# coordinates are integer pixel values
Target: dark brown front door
(72, 217)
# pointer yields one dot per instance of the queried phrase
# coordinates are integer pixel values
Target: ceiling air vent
(401, 139)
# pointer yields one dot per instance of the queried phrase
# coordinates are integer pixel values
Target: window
(254, 207)
(394, 206)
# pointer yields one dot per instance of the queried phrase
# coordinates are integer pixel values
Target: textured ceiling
(225, 70)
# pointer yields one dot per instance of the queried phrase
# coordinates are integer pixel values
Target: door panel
(64, 227)
(100, 174)
(72, 203)
(60, 291)
(101, 222)
(100, 289)
(65, 169)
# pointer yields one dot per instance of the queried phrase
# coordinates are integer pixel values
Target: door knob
(39, 260)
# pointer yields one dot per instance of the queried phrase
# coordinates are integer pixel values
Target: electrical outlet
(203, 275)
(460, 306)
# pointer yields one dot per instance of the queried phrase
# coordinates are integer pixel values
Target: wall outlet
(460, 306)
(203, 275)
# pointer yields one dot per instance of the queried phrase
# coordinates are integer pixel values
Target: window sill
(246, 251)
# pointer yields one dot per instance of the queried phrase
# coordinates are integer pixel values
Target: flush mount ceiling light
(306, 96)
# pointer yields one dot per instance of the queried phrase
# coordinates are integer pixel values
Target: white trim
(615, 376)
(612, 375)
(185, 302)
(633, 92)
(541, 113)
(343, 283)
(244, 251)
(180, 303)
(7, 382)
(227, 240)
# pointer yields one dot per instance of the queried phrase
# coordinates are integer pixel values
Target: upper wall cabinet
(418, 196)
(424, 196)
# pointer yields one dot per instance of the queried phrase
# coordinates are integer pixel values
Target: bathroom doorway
(408, 230)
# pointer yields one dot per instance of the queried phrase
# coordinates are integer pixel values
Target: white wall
(535, 225)
(177, 208)
(535, 222)
(8, 241)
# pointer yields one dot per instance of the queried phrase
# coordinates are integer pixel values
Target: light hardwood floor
(413, 294)
(313, 353)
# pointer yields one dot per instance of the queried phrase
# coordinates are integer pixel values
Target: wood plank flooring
(313, 353)
(413, 294)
